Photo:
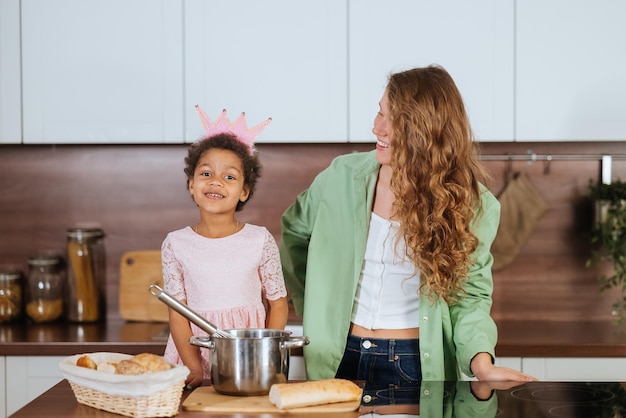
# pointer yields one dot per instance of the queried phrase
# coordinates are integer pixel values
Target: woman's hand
(484, 369)
(483, 390)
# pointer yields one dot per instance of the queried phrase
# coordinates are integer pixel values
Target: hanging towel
(521, 207)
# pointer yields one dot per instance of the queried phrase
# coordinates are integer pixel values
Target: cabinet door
(514, 363)
(10, 96)
(570, 68)
(275, 58)
(99, 71)
(3, 387)
(29, 377)
(472, 40)
(576, 369)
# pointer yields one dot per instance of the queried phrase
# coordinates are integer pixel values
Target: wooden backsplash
(137, 194)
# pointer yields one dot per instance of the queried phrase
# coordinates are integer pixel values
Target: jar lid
(44, 260)
(10, 274)
(84, 233)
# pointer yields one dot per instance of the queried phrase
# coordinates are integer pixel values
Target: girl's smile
(218, 178)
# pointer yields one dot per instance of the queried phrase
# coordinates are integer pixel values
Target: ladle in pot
(187, 312)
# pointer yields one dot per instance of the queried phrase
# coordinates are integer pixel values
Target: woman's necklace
(195, 228)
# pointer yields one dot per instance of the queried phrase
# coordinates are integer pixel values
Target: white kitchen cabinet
(473, 41)
(97, 71)
(276, 58)
(514, 363)
(3, 387)
(10, 95)
(27, 377)
(576, 369)
(297, 369)
(570, 68)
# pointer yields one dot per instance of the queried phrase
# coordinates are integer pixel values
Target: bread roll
(106, 367)
(139, 364)
(86, 361)
(152, 362)
(314, 392)
(129, 367)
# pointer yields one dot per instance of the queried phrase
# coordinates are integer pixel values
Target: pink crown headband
(237, 128)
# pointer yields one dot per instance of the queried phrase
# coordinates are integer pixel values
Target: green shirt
(324, 234)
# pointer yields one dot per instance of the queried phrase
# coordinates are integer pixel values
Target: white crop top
(387, 294)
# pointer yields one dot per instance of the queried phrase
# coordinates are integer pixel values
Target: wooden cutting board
(205, 399)
(139, 270)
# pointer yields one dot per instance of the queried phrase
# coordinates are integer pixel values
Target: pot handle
(205, 342)
(295, 342)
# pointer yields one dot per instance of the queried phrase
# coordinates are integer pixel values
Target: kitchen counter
(65, 406)
(516, 338)
(63, 339)
(560, 339)
(435, 399)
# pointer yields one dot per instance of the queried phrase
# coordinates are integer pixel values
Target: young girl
(220, 267)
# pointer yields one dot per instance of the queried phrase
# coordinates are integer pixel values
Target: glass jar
(86, 300)
(45, 288)
(10, 295)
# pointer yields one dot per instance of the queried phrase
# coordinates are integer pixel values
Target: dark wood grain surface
(536, 338)
(59, 402)
(137, 194)
(65, 339)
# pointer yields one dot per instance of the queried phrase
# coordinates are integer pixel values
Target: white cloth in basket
(116, 384)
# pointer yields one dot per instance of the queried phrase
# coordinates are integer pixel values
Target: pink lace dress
(222, 279)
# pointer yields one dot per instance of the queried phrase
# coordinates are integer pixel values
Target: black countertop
(461, 399)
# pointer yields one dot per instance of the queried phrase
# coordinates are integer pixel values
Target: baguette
(314, 392)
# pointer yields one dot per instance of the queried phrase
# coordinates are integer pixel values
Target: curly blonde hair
(435, 178)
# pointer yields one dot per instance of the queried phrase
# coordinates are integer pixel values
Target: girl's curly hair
(227, 141)
(435, 178)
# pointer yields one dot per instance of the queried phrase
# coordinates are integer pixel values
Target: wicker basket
(148, 395)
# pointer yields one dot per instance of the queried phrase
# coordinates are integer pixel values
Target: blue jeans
(384, 361)
(405, 394)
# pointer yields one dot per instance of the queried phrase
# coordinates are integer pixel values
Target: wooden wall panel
(137, 194)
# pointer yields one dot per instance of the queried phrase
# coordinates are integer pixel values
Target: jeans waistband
(383, 345)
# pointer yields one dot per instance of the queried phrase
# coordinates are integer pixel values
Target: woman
(387, 253)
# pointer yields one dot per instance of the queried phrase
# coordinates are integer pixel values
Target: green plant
(608, 236)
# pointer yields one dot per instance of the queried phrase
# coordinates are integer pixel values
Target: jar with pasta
(44, 296)
(10, 294)
(85, 275)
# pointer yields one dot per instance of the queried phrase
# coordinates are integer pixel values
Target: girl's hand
(194, 379)
(277, 313)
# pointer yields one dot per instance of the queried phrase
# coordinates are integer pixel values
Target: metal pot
(250, 363)
(244, 361)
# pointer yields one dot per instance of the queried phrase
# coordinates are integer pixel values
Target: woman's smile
(382, 144)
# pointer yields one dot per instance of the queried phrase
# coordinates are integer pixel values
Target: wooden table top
(59, 402)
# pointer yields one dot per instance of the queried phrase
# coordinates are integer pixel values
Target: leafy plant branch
(608, 237)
